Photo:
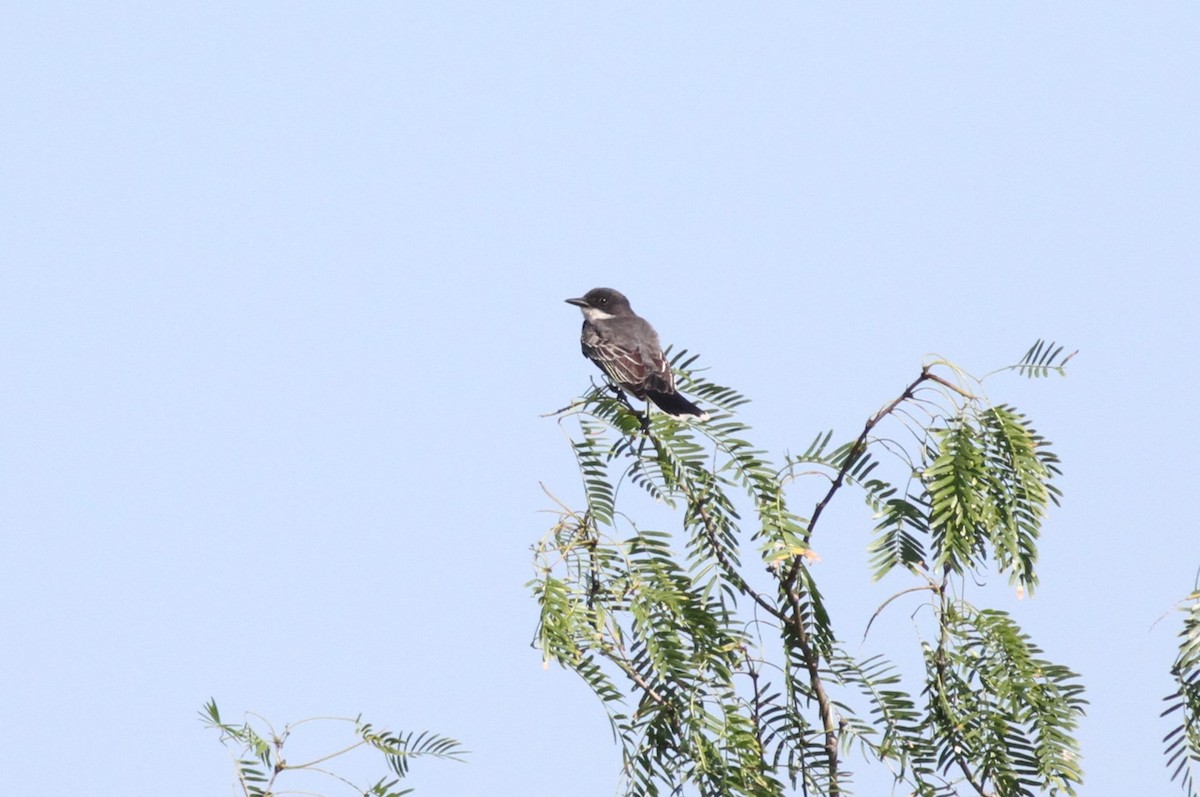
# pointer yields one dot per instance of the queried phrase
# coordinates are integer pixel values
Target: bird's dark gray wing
(630, 355)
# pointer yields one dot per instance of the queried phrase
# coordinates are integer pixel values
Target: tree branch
(811, 656)
(856, 451)
(812, 663)
(731, 573)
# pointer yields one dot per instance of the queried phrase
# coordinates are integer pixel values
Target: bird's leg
(644, 417)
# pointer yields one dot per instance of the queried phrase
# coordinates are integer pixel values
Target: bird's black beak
(578, 302)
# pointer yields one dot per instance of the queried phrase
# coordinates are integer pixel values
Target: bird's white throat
(592, 314)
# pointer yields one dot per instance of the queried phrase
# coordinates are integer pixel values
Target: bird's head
(601, 303)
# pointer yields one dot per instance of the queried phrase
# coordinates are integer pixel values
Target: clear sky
(281, 304)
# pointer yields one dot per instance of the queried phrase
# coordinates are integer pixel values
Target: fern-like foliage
(711, 645)
(1182, 743)
(259, 762)
(895, 728)
(1042, 359)
(987, 488)
(1000, 714)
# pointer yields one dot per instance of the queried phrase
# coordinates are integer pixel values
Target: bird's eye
(603, 300)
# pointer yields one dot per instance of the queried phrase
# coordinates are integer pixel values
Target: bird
(625, 347)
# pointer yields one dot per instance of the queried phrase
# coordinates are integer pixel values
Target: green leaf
(999, 711)
(1042, 359)
(1182, 743)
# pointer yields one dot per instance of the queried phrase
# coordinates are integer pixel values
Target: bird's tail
(676, 404)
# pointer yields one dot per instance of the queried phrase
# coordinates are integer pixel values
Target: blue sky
(281, 306)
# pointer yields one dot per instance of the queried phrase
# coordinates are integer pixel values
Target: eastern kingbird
(626, 349)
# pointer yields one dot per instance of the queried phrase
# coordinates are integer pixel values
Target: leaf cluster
(983, 486)
(1001, 714)
(1182, 743)
(711, 645)
(259, 761)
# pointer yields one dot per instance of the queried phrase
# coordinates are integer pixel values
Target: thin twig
(884, 605)
(632, 673)
(856, 451)
(731, 572)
